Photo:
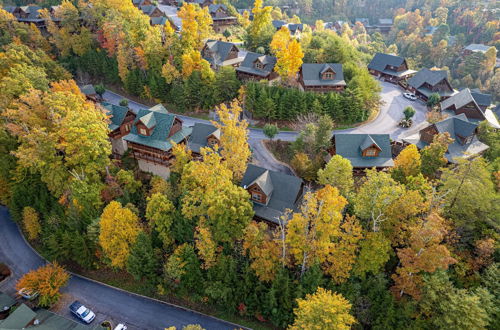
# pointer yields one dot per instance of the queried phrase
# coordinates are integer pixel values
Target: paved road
(387, 120)
(108, 303)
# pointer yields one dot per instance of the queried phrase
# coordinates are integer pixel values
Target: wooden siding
(255, 190)
(427, 134)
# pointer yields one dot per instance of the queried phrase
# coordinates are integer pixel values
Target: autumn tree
(192, 61)
(206, 246)
(160, 215)
(233, 138)
(425, 253)
(196, 25)
(263, 250)
(323, 310)
(119, 228)
(374, 252)
(182, 156)
(288, 53)
(432, 156)
(47, 281)
(183, 267)
(261, 29)
(73, 139)
(407, 164)
(337, 173)
(210, 193)
(31, 223)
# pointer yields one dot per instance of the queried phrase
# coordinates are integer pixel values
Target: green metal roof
(18, 319)
(350, 147)
(117, 114)
(148, 120)
(6, 301)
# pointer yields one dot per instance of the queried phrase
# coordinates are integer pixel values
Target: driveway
(108, 303)
(391, 112)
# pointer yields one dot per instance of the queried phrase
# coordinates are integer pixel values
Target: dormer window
(371, 152)
(256, 197)
(328, 75)
(143, 131)
(259, 65)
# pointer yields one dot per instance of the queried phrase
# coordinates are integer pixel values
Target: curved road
(386, 122)
(108, 303)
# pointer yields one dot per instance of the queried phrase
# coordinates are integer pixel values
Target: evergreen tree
(142, 262)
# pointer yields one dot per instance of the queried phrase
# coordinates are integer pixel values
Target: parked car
(28, 294)
(82, 312)
(121, 326)
(410, 96)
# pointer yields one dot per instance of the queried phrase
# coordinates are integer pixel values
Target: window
(256, 197)
(371, 152)
(328, 75)
(212, 142)
(143, 131)
(259, 65)
(128, 127)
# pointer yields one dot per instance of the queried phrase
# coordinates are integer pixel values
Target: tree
(142, 262)
(408, 163)
(100, 89)
(323, 310)
(47, 281)
(31, 223)
(303, 166)
(210, 193)
(260, 30)
(192, 61)
(205, 245)
(409, 112)
(234, 138)
(119, 228)
(183, 267)
(196, 26)
(226, 85)
(374, 253)
(288, 53)
(470, 194)
(424, 253)
(124, 102)
(270, 130)
(337, 173)
(182, 156)
(160, 214)
(433, 100)
(433, 155)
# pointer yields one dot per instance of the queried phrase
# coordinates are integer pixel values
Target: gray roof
(481, 99)
(200, 133)
(18, 319)
(278, 24)
(265, 183)
(432, 77)
(294, 27)
(457, 126)
(248, 66)
(220, 50)
(478, 48)
(9, 9)
(117, 114)
(380, 62)
(159, 20)
(286, 191)
(159, 138)
(148, 9)
(311, 74)
(6, 301)
(213, 8)
(385, 21)
(350, 147)
(497, 111)
(461, 99)
(88, 90)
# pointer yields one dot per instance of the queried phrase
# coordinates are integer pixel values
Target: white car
(82, 312)
(121, 326)
(410, 96)
(27, 294)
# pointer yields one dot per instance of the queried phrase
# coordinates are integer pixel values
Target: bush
(124, 103)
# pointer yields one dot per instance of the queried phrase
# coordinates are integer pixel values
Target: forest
(415, 247)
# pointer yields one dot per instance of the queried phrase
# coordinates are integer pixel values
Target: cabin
(364, 150)
(90, 93)
(385, 25)
(272, 193)
(257, 67)
(295, 30)
(151, 136)
(220, 53)
(221, 18)
(323, 78)
(202, 136)
(476, 48)
(27, 14)
(426, 82)
(278, 24)
(152, 11)
(120, 124)
(139, 3)
(389, 67)
(463, 132)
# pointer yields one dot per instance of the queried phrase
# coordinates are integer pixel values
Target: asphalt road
(386, 122)
(108, 303)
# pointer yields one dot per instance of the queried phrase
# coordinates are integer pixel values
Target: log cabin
(389, 67)
(257, 67)
(323, 78)
(426, 82)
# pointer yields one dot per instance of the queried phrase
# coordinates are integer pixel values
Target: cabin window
(212, 142)
(259, 65)
(143, 131)
(128, 127)
(370, 152)
(328, 75)
(256, 197)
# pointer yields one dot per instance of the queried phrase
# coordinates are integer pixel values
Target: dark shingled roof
(311, 74)
(117, 114)
(200, 133)
(481, 99)
(461, 99)
(380, 61)
(350, 146)
(294, 27)
(278, 24)
(220, 50)
(158, 20)
(285, 191)
(88, 90)
(159, 138)
(248, 66)
(427, 76)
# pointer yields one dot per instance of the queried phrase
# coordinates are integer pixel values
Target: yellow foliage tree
(323, 310)
(262, 249)
(47, 281)
(407, 164)
(234, 138)
(182, 156)
(196, 26)
(31, 223)
(288, 53)
(205, 244)
(192, 61)
(119, 230)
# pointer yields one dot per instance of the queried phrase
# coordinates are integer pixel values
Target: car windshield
(86, 312)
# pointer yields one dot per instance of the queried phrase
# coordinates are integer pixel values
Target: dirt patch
(281, 150)
(4, 272)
